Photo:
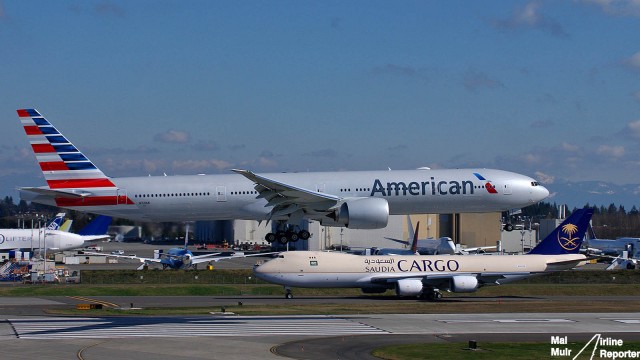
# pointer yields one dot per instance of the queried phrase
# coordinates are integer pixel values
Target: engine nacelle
(362, 213)
(462, 284)
(409, 287)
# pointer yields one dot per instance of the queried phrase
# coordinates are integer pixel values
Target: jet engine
(360, 213)
(409, 287)
(461, 284)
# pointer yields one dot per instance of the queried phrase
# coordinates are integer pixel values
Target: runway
(301, 337)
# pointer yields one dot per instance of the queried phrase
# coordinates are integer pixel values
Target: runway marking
(626, 321)
(125, 327)
(546, 321)
(86, 299)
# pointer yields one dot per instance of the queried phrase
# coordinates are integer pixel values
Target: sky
(550, 89)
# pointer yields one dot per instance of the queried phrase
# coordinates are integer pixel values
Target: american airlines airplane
(353, 199)
(426, 275)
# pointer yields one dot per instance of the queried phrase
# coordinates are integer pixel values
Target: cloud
(173, 136)
(530, 17)
(617, 7)
(108, 8)
(474, 80)
(545, 178)
(636, 95)
(632, 129)
(614, 152)
(570, 147)
(3, 13)
(633, 62)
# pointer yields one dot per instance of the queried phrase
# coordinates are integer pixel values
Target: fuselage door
(507, 189)
(121, 196)
(221, 193)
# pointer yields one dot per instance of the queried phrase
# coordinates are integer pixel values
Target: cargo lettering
(428, 265)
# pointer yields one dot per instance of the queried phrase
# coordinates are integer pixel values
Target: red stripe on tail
(42, 148)
(32, 130)
(53, 166)
(79, 183)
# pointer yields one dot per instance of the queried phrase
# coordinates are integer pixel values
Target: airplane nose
(540, 193)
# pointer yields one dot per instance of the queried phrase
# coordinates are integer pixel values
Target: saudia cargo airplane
(425, 276)
(354, 199)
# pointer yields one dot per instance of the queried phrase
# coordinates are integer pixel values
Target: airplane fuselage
(232, 196)
(11, 239)
(341, 270)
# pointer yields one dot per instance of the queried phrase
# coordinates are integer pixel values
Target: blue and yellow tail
(566, 238)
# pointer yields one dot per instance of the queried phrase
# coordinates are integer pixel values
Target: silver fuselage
(232, 196)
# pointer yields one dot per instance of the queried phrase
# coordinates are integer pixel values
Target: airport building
(469, 230)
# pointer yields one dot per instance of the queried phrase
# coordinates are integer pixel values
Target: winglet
(566, 238)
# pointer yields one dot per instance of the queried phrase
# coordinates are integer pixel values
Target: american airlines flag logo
(62, 164)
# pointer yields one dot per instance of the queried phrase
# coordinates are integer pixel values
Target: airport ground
(42, 327)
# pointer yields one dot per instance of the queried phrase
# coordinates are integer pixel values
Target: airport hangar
(468, 229)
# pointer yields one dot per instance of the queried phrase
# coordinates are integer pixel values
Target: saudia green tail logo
(566, 237)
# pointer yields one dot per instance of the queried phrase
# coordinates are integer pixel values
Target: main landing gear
(431, 294)
(286, 234)
(287, 293)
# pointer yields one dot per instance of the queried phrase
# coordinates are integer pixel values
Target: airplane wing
(216, 259)
(439, 279)
(139, 258)
(288, 199)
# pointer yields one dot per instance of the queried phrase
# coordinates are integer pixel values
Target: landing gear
(288, 294)
(287, 234)
(431, 294)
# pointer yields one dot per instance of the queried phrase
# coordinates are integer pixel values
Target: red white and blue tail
(63, 165)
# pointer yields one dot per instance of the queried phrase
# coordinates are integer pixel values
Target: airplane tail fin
(566, 238)
(66, 225)
(56, 222)
(98, 226)
(414, 244)
(62, 164)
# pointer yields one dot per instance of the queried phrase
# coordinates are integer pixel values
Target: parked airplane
(58, 240)
(177, 258)
(426, 275)
(615, 247)
(357, 199)
(441, 246)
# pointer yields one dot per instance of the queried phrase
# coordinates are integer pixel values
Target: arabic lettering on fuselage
(415, 188)
(404, 265)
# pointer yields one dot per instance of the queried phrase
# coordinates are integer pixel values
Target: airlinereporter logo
(598, 347)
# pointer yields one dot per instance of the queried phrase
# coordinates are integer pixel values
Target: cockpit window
(535, 183)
